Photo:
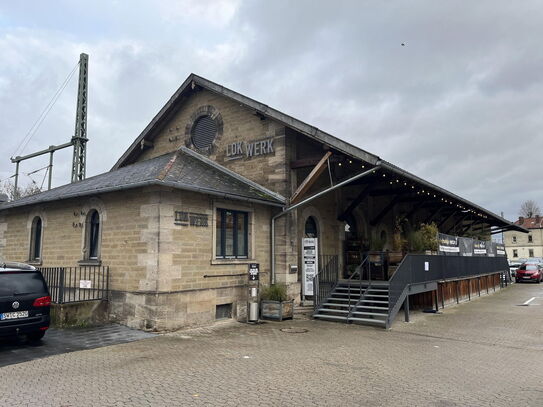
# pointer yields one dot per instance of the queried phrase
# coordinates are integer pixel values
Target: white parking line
(529, 301)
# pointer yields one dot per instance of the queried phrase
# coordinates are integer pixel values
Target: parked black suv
(24, 301)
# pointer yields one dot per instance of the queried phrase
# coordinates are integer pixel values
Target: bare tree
(15, 193)
(529, 209)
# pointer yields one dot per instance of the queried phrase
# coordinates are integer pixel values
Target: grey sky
(460, 104)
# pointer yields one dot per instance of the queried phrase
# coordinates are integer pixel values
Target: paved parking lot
(488, 352)
(57, 341)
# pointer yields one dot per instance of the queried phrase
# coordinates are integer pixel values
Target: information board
(310, 265)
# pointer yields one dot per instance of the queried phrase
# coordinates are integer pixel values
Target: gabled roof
(530, 223)
(183, 169)
(194, 81)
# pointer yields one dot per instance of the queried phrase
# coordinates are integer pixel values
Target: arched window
(310, 229)
(93, 235)
(35, 239)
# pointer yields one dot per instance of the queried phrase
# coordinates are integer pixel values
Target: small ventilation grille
(203, 132)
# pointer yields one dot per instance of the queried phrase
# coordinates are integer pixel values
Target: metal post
(16, 178)
(457, 299)
(479, 285)
(80, 136)
(469, 289)
(406, 308)
(50, 170)
(437, 303)
(442, 299)
(61, 286)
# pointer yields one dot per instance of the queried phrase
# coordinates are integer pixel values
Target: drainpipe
(311, 198)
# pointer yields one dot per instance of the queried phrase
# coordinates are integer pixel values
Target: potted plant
(274, 303)
(424, 240)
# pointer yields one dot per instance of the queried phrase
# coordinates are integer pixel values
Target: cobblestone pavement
(487, 352)
(57, 341)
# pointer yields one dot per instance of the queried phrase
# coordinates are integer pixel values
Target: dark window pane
(229, 233)
(241, 231)
(94, 235)
(21, 283)
(36, 239)
(218, 232)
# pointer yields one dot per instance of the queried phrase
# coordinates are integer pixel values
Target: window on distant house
(529, 238)
(531, 253)
(232, 229)
(515, 253)
(514, 239)
(35, 239)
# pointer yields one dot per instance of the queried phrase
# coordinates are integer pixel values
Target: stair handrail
(400, 281)
(317, 297)
(359, 270)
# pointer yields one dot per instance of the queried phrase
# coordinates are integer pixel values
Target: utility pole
(79, 139)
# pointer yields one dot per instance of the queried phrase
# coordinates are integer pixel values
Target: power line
(34, 128)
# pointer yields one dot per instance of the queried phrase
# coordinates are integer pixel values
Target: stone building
(215, 182)
(525, 245)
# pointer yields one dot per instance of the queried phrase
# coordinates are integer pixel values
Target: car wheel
(35, 336)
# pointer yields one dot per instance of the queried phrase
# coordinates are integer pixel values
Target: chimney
(520, 220)
(537, 219)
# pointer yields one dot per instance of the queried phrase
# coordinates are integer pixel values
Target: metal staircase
(357, 301)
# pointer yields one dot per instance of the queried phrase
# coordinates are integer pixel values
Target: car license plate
(14, 315)
(526, 277)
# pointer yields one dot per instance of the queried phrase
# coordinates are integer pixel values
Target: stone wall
(162, 275)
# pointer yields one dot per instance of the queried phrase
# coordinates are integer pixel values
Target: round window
(204, 131)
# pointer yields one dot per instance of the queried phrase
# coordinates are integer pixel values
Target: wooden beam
(433, 215)
(446, 219)
(311, 178)
(385, 210)
(352, 206)
(304, 163)
(460, 221)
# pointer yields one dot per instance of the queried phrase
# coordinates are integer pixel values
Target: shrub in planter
(274, 304)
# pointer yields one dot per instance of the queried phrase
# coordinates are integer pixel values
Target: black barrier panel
(419, 268)
(449, 245)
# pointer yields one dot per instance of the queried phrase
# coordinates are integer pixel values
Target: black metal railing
(420, 268)
(362, 272)
(75, 284)
(326, 278)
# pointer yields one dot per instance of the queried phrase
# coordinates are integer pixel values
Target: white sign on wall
(310, 265)
(85, 284)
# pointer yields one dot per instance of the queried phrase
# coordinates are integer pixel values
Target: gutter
(311, 198)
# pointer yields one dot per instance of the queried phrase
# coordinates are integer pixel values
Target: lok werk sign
(243, 149)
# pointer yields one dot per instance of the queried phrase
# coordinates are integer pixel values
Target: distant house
(522, 245)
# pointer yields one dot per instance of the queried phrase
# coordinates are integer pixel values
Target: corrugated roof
(183, 169)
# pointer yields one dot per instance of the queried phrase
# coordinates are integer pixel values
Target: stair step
(375, 301)
(342, 311)
(336, 305)
(330, 317)
(376, 295)
(369, 321)
(374, 308)
(343, 299)
(377, 314)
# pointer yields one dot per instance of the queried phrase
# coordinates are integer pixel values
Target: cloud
(459, 104)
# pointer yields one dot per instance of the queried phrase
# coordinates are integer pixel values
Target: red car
(529, 272)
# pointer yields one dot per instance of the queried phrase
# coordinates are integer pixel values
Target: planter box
(277, 310)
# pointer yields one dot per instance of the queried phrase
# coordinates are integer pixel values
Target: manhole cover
(294, 330)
